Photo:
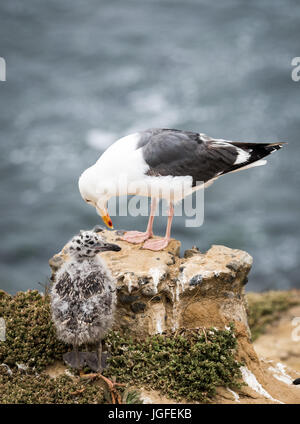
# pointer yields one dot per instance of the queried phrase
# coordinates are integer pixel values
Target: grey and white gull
(164, 164)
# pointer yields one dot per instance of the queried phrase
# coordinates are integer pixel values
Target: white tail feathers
(251, 165)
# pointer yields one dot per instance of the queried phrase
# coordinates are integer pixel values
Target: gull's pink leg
(137, 236)
(160, 244)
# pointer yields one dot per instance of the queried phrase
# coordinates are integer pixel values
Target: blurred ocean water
(81, 74)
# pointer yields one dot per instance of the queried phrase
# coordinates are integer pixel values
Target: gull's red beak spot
(107, 221)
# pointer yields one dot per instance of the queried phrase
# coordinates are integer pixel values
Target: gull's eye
(87, 200)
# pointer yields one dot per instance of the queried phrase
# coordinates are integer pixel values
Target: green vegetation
(189, 364)
(28, 387)
(264, 308)
(30, 333)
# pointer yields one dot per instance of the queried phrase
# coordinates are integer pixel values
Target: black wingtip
(278, 145)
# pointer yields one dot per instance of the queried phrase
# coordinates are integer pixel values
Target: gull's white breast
(124, 171)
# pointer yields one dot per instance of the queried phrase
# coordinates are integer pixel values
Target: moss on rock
(188, 364)
(28, 387)
(30, 333)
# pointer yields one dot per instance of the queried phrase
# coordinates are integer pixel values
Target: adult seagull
(159, 163)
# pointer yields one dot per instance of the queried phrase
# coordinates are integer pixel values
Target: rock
(138, 307)
(187, 286)
(191, 252)
(161, 291)
(199, 290)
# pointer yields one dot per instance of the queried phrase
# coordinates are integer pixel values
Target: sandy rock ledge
(161, 291)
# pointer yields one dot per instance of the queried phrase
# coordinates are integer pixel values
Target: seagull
(157, 162)
(83, 298)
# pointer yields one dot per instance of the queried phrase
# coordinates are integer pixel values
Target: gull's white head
(94, 193)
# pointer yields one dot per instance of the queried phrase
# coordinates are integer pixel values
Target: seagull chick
(83, 298)
(159, 163)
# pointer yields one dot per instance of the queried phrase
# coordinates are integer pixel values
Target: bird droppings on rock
(279, 372)
(252, 382)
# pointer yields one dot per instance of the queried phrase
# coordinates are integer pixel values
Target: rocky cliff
(161, 292)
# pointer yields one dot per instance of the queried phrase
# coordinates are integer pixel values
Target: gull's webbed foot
(156, 244)
(136, 236)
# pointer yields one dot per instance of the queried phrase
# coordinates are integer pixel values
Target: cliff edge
(163, 293)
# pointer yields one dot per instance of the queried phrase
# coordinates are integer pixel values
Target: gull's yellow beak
(101, 207)
(107, 221)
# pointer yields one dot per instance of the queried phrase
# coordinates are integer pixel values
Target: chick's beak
(103, 247)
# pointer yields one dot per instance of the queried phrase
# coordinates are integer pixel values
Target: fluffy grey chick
(83, 298)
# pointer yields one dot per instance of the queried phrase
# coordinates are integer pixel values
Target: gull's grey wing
(180, 153)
